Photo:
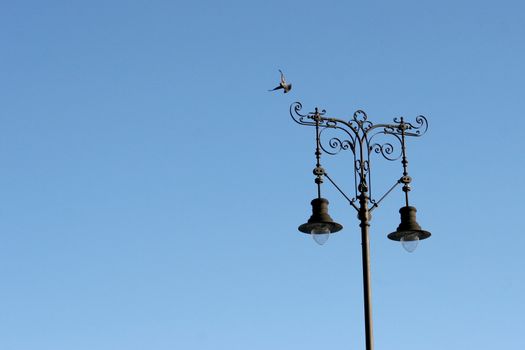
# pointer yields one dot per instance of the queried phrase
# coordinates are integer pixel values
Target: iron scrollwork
(358, 136)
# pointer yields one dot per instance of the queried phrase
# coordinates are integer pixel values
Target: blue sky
(151, 187)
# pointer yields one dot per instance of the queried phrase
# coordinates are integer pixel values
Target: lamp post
(359, 136)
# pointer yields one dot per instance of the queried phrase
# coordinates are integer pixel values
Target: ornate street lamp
(359, 136)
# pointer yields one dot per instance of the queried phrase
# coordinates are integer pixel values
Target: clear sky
(151, 187)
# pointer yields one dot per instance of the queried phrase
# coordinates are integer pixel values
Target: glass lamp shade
(320, 234)
(410, 242)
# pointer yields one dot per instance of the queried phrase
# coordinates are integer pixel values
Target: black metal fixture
(320, 224)
(359, 136)
(409, 233)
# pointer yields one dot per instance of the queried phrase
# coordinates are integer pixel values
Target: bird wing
(283, 79)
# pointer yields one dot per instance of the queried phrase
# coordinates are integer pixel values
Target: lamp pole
(364, 217)
(359, 136)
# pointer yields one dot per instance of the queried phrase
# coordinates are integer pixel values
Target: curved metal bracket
(359, 135)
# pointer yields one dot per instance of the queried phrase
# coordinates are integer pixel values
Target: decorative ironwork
(337, 145)
(386, 150)
(359, 136)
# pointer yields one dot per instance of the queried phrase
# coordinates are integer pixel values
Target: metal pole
(364, 217)
(358, 130)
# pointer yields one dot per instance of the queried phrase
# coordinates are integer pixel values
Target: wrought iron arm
(360, 134)
(351, 201)
(375, 204)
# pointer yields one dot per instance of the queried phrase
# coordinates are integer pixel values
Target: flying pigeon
(283, 85)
